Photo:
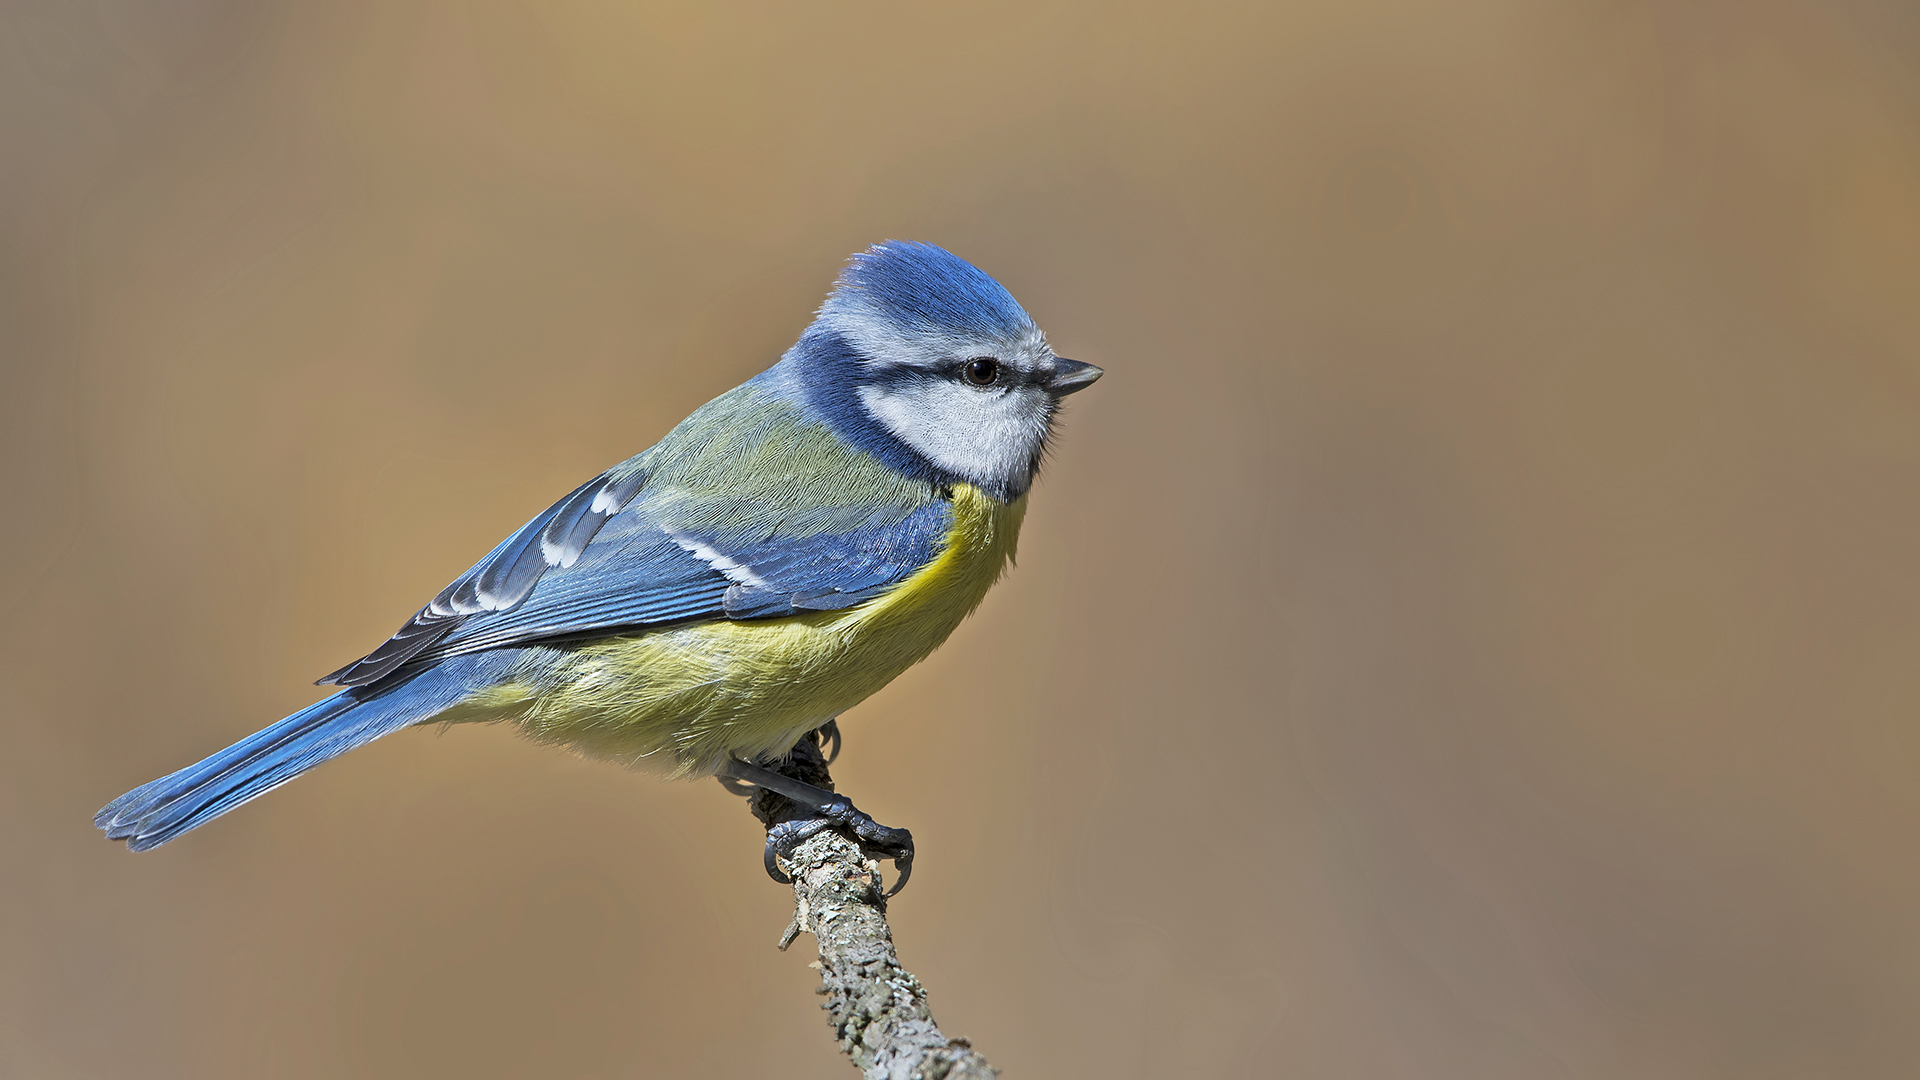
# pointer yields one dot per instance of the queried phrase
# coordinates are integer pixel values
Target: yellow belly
(682, 700)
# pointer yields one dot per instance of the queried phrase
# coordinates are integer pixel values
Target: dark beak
(1070, 376)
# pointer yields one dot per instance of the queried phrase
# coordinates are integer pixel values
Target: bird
(700, 608)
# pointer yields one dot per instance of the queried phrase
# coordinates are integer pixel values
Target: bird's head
(917, 349)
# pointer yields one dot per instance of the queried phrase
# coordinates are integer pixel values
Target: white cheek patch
(990, 438)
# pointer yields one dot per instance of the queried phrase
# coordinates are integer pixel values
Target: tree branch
(878, 1009)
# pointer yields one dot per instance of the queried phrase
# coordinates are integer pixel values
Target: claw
(783, 838)
(737, 787)
(904, 866)
(828, 734)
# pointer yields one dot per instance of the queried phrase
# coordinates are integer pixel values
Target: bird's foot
(801, 810)
(873, 838)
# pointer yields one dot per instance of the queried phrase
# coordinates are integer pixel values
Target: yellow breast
(682, 700)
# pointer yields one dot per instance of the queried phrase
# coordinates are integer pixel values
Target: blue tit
(696, 610)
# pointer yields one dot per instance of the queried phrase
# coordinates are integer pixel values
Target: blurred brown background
(1469, 634)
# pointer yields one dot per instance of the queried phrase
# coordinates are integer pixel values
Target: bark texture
(878, 1009)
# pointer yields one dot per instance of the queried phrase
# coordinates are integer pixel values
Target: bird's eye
(983, 371)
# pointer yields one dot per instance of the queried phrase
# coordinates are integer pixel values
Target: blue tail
(154, 813)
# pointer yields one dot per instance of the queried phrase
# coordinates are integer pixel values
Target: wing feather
(578, 571)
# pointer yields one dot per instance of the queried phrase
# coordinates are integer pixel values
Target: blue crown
(919, 283)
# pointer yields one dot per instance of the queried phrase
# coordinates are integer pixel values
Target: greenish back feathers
(750, 460)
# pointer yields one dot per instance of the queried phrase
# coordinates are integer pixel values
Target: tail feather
(151, 798)
(156, 812)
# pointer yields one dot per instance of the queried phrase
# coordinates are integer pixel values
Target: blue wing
(609, 559)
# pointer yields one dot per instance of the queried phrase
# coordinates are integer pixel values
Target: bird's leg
(827, 734)
(811, 808)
